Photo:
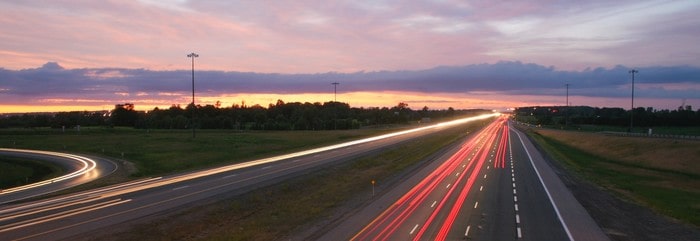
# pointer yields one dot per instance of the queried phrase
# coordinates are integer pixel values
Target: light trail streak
(456, 207)
(238, 166)
(502, 147)
(60, 215)
(385, 225)
(88, 165)
(416, 194)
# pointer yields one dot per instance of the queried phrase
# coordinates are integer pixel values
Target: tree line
(586, 115)
(278, 116)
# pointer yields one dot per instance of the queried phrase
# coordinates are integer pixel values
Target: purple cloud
(514, 78)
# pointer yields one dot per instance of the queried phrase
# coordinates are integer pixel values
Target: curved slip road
(80, 169)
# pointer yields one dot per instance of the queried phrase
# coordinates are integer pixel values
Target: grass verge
(277, 211)
(674, 192)
(15, 171)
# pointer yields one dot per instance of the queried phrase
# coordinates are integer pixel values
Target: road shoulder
(576, 219)
(618, 218)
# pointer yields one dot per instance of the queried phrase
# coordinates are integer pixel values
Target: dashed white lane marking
(433, 205)
(516, 207)
(448, 185)
(466, 233)
(481, 188)
(520, 233)
(517, 218)
(229, 176)
(476, 204)
(414, 229)
(178, 188)
(484, 175)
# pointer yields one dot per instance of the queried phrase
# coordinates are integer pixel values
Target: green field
(15, 171)
(158, 152)
(661, 174)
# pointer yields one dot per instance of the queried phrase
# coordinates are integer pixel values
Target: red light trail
(412, 205)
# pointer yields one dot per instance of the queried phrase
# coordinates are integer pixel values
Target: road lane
(578, 224)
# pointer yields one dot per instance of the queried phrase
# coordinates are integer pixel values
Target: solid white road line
(556, 209)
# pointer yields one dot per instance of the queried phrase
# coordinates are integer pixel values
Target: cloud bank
(53, 83)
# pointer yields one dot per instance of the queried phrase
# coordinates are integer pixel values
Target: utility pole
(335, 91)
(194, 107)
(633, 71)
(566, 115)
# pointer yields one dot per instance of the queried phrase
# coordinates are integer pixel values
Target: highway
(495, 186)
(79, 169)
(77, 215)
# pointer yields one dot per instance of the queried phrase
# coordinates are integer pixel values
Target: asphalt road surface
(79, 169)
(495, 186)
(79, 214)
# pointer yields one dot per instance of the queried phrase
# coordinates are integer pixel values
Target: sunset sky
(90, 55)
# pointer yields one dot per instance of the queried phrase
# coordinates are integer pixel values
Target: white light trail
(88, 165)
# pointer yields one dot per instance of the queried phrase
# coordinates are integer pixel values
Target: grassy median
(663, 174)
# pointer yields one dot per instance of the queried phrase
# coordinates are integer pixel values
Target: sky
(91, 55)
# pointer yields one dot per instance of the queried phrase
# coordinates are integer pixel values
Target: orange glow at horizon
(415, 100)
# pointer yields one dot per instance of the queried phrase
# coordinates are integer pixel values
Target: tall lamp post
(192, 56)
(335, 91)
(633, 71)
(566, 114)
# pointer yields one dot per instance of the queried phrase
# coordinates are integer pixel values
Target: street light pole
(192, 56)
(566, 114)
(335, 91)
(633, 71)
